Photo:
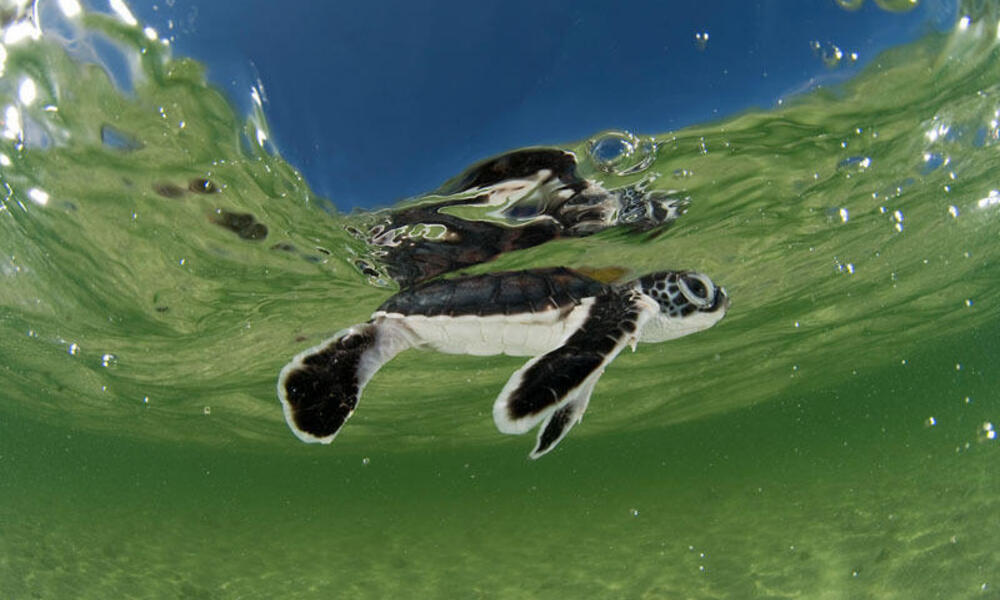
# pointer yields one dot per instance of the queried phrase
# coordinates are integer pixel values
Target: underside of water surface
(832, 437)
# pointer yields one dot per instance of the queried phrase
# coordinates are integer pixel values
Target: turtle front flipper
(558, 424)
(320, 387)
(555, 387)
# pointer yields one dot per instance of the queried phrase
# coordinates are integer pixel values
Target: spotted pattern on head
(681, 293)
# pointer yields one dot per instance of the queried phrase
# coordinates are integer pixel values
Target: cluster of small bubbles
(854, 163)
(701, 39)
(987, 433)
(937, 131)
(701, 555)
(108, 360)
(682, 173)
(843, 267)
(831, 54)
(897, 216)
(621, 153)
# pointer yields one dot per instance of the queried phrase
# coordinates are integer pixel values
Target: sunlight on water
(833, 437)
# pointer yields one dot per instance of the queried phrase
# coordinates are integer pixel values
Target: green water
(829, 439)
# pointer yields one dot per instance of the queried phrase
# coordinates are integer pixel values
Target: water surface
(833, 437)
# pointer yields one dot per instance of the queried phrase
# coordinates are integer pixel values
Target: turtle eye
(698, 289)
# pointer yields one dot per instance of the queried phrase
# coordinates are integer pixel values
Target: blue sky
(382, 100)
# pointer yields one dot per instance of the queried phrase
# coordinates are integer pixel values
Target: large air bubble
(621, 152)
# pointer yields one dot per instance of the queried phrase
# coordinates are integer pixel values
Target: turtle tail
(320, 388)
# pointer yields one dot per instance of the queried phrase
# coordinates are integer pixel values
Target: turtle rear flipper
(555, 387)
(320, 387)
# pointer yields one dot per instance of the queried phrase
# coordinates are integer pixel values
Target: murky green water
(833, 437)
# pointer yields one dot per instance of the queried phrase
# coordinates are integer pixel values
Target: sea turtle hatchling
(571, 324)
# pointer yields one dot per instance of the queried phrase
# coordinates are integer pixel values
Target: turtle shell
(502, 293)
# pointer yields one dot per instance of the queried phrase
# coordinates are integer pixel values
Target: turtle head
(689, 302)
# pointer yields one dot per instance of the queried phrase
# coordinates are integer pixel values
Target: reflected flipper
(320, 387)
(555, 387)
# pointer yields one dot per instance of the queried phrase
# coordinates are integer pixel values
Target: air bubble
(991, 199)
(896, 5)
(109, 360)
(621, 153)
(831, 54)
(701, 40)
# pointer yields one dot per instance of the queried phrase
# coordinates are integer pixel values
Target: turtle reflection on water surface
(520, 199)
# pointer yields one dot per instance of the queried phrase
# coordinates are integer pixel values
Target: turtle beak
(720, 301)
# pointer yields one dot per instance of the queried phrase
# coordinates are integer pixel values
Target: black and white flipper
(558, 424)
(320, 387)
(556, 386)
